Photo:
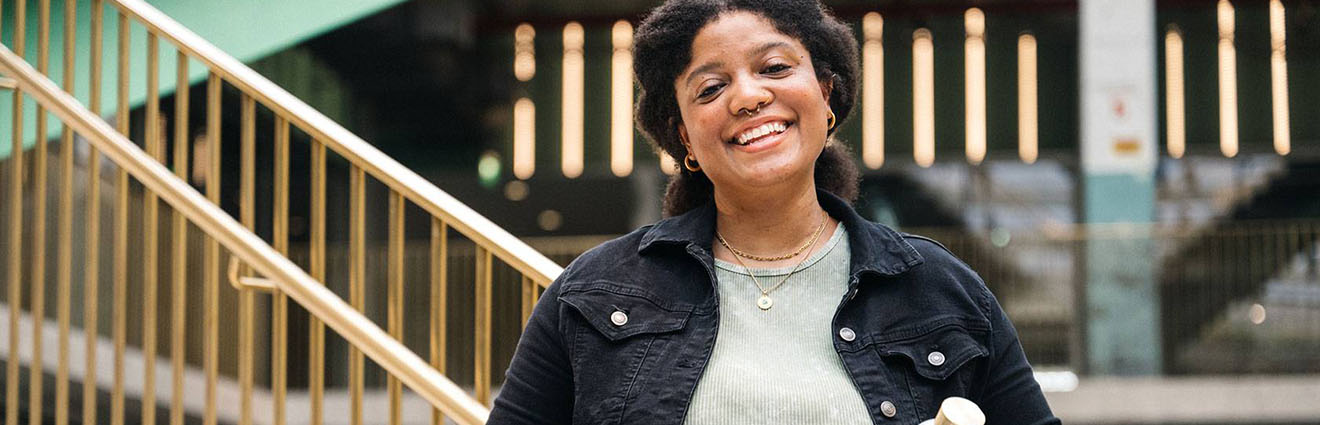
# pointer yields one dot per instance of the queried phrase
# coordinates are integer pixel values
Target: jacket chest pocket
(938, 361)
(620, 336)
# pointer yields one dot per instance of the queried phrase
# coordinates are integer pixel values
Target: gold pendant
(765, 302)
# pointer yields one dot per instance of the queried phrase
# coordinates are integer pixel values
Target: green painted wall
(246, 29)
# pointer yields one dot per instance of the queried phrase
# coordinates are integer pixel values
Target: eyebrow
(706, 67)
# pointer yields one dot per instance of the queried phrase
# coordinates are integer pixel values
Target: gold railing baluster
(120, 295)
(529, 295)
(150, 243)
(316, 337)
(247, 216)
(211, 298)
(395, 296)
(65, 254)
(121, 232)
(279, 302)
(356, 283)
(91, 281)
(179, 232)
(481, 327)
(15, 280)
(15, 224)
(38, 256)
(439, 301)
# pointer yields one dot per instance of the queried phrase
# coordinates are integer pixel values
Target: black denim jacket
(907, 298)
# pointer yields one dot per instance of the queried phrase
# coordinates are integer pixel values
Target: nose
(748, 97)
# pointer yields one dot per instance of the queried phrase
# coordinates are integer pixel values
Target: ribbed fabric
(779, 366)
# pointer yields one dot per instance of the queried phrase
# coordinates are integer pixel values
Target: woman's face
(740, 61)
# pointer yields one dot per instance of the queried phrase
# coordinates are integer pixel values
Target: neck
(769, 223)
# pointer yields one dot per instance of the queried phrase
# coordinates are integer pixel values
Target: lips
(754, 134)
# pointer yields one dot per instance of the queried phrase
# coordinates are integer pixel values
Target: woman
(763, 297)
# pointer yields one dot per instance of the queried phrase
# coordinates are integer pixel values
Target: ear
(827, 87)
(683, 137)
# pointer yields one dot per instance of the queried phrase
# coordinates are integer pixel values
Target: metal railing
(275, 275)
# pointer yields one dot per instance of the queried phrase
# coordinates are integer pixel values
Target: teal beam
(245, 29)
(1119, 147)
(1123, 320)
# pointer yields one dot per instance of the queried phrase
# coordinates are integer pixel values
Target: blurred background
(1137, 181)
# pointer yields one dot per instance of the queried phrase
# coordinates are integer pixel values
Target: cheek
(703, 125)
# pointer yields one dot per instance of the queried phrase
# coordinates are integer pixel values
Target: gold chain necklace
(764, 302)
(738, 253)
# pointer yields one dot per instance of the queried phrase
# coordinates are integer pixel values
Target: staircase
(151, 252)
(1274, 225)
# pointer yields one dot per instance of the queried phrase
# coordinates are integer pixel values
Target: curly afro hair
(663, 48)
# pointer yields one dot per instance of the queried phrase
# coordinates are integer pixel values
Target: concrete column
(1118, 149)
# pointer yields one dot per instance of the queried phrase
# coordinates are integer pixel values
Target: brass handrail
(361, 332)
(413, 187)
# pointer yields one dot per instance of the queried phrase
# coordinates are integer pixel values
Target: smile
(754, 134)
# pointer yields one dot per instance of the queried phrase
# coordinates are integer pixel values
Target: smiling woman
(763, 297)
(809, 45)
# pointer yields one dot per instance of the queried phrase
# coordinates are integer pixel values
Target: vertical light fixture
(974, 86)
(1027, 143)
(1228, 118)
(923, 98)
(524, 138)
(524, 52)
(573, 101)
(1174, 113)
(873, 91)
(621, 93)
(1279, 79)
(524, 111)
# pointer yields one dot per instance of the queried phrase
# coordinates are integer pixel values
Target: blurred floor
(1252, 399)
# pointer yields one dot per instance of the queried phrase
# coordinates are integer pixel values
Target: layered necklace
(764, 302)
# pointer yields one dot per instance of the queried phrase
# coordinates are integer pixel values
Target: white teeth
(764, 129)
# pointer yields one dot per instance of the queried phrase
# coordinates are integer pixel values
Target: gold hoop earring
(690, 163)
(831, 120)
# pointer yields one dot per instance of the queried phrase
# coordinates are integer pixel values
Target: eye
(777, 68)
(709, 91)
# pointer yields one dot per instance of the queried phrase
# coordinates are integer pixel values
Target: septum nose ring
(750, 112)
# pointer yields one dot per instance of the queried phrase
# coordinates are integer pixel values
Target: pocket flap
(619, 313)
(938, 353)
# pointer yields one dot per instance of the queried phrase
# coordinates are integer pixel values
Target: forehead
(732, 35)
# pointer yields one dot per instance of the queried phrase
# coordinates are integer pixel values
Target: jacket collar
(875, 247)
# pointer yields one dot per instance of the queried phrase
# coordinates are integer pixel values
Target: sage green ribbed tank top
(778, 366)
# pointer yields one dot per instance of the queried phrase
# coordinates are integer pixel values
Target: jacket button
(847, 334)
(619, 318)
(935, 358)
(888, 409)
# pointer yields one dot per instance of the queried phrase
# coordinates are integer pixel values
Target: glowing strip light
(1174, 113)
(1279, 79)
(621, 91)
(524, 138)
(974, 66)
(524, 52)
(923, 98)
(873, 91)
(1228, 118)
(1027, 121)
(574, 66)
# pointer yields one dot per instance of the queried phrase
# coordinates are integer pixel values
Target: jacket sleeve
(538, 387)
(1009, 394)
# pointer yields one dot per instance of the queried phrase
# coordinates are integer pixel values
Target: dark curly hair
(663, 48)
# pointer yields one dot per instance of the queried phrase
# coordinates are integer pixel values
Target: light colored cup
(957, 411)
